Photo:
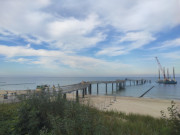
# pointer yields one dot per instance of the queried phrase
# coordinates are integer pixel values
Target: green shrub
(50, 114)
(8, 118)
(174, 118)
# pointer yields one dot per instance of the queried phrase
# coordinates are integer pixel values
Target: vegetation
(8, 118)
(47, 114)
(173, 120)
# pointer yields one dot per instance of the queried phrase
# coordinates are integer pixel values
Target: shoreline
(26, 91)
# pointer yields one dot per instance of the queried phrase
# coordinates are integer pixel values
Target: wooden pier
(86, 87)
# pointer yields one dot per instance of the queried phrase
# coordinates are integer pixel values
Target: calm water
(159, 91)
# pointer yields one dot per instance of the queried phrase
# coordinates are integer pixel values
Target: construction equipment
(160, 67)
(174, 75)
(167, 80)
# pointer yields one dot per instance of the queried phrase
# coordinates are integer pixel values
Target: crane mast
(160, 67)
(173, 74)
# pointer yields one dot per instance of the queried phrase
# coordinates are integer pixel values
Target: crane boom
(160, 67)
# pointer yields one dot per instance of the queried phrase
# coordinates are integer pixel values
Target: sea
(161, 91)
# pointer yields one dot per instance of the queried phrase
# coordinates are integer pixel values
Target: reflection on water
(164, 91)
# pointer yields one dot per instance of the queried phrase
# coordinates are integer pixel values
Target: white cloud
(56, 59)
(168, 44)
(135, 40)
(172, 55)
(113, 51)
(19, 60)
(71, 26)
(72, 34)
(63, 26)
(26, 18)
(138, 14)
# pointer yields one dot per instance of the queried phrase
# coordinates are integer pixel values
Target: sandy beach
(143, 106)
(9, 92)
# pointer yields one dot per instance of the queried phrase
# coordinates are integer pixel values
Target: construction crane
(173, 74)
(160, 67)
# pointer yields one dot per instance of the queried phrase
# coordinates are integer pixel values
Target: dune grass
(48, 114)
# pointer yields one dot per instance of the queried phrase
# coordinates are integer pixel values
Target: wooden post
(106, 88)
(120, 86)
(112, 87)
(83, 93)
(89, 88)
(77, 97)
(85, 90)
(130, 82)
(64, 95)
(97, 89)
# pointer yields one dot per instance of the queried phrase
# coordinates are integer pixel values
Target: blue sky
(88, 38)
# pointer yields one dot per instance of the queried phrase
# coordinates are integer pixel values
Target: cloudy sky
(88, 37)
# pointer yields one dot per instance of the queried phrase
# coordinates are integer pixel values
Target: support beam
(83, 91)
(77, 97)
(64, 95)
(120, 86)
(97, 89)
(106, 88)
(90, 89)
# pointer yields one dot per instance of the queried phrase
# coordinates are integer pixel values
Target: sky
(89, 38)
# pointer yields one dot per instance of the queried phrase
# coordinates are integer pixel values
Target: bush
(174, 118)
(8, 118)
(51, 114)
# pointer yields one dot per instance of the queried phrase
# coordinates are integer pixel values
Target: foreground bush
(47, 114)
(8, 118)
(173, 121)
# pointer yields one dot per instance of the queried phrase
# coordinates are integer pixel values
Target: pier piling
(106, 88)
(77, 97)
(97, 89)
(83, 91)
(64, 96)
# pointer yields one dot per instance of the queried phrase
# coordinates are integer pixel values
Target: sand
(9, 92)
(142, 106)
